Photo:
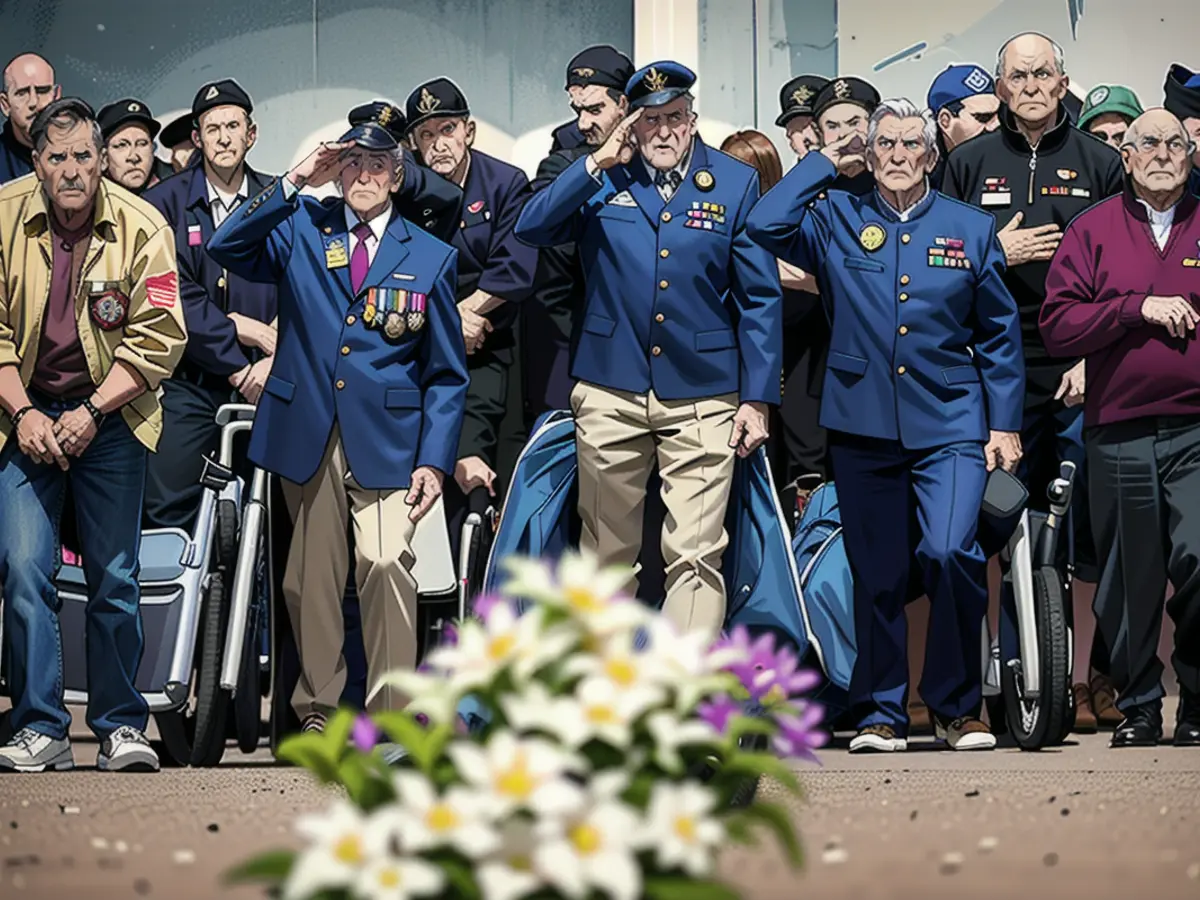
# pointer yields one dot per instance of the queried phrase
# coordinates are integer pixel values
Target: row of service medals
(395, 311)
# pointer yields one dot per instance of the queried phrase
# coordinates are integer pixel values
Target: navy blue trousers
(904, 510)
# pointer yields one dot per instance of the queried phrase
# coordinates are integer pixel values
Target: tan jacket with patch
(132, 252)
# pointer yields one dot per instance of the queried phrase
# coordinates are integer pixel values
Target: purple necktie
(360, 260)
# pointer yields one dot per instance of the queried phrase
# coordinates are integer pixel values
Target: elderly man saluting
(680, 351)
(1123, 292)
(90, 325)
(922, 397)
(361, 412)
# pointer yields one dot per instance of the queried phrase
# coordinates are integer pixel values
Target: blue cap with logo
(658, 84)
(958, 83)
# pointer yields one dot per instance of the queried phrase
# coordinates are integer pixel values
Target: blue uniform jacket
(678, 300)
(490, 258)
(209, 292)
(399, 404)
(15, 158)
(762, 583)
(926, 345)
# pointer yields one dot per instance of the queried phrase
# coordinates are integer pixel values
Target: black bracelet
(20, 414)
(96, 415)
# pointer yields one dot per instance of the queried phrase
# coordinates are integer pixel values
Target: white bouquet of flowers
(615, 758)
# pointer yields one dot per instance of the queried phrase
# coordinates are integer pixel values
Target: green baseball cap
(1109, 98)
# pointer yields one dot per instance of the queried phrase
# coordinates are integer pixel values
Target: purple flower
(718, 711)
(365, 733)
(798, 735)
(483, 605)
(753, 656)
(422, 720)
(767, 671)
(449, 634)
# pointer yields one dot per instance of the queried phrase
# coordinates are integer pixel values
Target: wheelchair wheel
(212, 703)
(247, 698)
(1039, 723)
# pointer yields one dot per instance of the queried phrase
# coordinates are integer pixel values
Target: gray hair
(903, 108)
(67, 119)
(1060, 58)
(1134, 132)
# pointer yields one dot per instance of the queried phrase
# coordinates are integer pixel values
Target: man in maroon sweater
(1123, 292)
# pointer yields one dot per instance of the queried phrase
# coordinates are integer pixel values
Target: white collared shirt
(666, 191)
(378, 226)
(222, 204)
(904, 216)
(1160, 222)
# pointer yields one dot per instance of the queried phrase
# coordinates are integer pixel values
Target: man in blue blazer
(361, 412)
(922, 397)
(680, 350)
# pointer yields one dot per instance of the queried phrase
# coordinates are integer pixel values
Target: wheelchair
(203, 610)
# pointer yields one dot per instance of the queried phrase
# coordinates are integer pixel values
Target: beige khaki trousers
(618, 438)
(315, 579)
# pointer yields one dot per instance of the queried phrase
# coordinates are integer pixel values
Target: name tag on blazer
(996, 198)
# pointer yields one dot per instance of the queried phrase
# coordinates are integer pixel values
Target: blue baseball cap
(958, 83)
(658, 83)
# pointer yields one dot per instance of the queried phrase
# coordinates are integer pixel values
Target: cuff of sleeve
(290, 191)
(440, 465)
(1131, 310)
(150, 373)
(592, 168)
(8, 354)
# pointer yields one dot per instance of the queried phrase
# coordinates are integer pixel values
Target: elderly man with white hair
(922, 397)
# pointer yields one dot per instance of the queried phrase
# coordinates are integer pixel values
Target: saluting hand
(321, 166)
(749, 428)
(619, 147)
(847, 162)
(1025, 245)
(423, 493)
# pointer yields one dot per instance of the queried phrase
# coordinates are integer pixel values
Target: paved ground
(1082, 821)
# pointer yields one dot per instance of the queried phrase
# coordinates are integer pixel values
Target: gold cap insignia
(802, 94)
(212, 93)
(585, 72)
(655, 80)
(841, 90)
(872, 237)
(704, 180)
(135, 107)
(385, 116)
(428, 102)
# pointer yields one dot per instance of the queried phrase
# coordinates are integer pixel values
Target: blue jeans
(107, 482)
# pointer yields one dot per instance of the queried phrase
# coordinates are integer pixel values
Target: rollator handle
(1060, 490)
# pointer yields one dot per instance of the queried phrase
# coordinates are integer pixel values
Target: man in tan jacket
(90, 324)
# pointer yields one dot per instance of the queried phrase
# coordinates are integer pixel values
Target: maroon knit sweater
(1107, 265)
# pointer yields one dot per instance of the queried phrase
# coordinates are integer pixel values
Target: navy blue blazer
(208, 292)
(678, 299)
(926, 345)
(398, 402)
(15, 158)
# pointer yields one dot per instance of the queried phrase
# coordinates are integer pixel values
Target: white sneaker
(32, 751)
(878, 739)
(965, 733)
(127, 750)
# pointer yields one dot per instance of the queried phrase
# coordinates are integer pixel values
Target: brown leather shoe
(919, 720)
(1085, 716)
(1104, 703)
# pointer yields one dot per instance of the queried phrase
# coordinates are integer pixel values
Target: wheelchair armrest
(234, 412)
(1004, 495)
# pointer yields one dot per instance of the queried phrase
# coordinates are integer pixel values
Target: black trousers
(1144, 479)
(189, 433)
(797, 446)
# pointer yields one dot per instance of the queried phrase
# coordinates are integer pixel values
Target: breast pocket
(611, 212)
(860, 264)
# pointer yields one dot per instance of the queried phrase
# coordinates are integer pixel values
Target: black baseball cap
(115, 116)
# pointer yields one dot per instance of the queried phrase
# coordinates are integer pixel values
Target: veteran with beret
(922, 396)
(680, 350)
(361, 412)
(796, 111)
(129, 129)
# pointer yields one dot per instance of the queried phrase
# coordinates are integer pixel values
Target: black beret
(603, 65)
(797, 96)
(434, 100)
(1182, 101)
(846, 90)
(383, 113)
(113, 117)
(72, 105)
(178, 131)
(225, 92)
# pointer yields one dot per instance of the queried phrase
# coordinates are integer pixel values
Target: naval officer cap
(435, 99)
(956, 84)
(1182, 90)
(225, 92)
(383, 113)
(797, 96)
(115, 116)
(658, 84)
(846, 90)
(178, 131)
(601, 65)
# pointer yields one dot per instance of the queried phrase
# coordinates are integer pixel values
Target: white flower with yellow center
(591, 595)
(339, 848)
(670, 733)
(398, 878)
(595, 849)
(504, 639)
(433, 694)
(457, 818)
(607, 711)
(519, 773)
(692, 669)
(680, 826)
(618, 659)
(508, 874)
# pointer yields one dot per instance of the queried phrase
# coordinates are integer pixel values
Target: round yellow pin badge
(704, 180)
(872, 237)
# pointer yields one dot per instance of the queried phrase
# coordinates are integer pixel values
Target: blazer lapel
(331, 229)
(392, 251)
(636, 179)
